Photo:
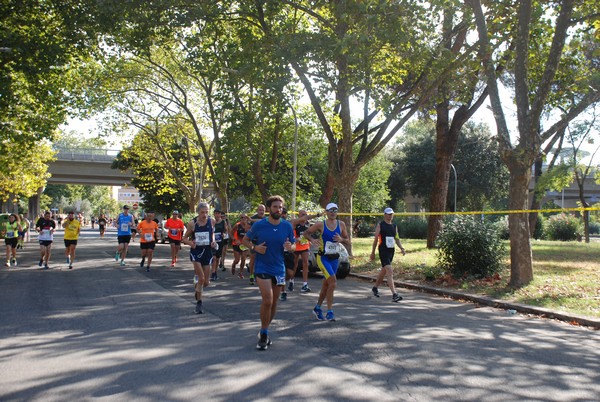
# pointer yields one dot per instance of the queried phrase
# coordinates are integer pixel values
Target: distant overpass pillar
(34, 205)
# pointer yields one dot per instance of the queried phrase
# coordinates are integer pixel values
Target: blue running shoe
(329, 316)
(283, 296)
(117, 256)
(318, 313)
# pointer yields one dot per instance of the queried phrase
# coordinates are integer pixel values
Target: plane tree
(542, 33)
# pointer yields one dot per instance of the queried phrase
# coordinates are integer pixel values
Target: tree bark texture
(521, 260)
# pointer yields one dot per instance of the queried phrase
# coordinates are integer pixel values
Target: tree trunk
(586, 214)
(521, 265)
(439, 194)
(345, 187)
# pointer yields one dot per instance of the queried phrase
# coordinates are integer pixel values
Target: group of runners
(263, 239)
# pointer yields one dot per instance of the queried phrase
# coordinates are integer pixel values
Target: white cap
(388, 211)
(330, 206)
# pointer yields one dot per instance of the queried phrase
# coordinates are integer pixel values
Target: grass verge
(566, 274)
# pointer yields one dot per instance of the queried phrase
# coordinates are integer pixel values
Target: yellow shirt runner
(72, 229)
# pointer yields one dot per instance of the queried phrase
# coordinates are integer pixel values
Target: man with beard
(269, 238)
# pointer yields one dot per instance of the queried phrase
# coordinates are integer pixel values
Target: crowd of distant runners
(262, 239)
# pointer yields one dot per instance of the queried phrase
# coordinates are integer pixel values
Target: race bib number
(202, 238)
(218, 237)
(389, 242)
(280, 280)
(332, 248)
(148, 237)
(124, 227)
(45, 235)
(174, 232)
(10, 234)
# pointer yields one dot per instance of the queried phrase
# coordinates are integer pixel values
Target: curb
(503, 304)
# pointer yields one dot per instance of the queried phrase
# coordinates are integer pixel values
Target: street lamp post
(455, 182)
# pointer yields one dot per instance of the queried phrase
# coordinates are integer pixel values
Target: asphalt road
(103, 332)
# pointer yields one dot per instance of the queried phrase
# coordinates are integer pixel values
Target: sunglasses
(332, 210)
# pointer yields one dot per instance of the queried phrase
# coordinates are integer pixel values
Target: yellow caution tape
(502, 212)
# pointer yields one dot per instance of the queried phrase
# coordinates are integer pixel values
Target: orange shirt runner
(173, 225)
(147, 230)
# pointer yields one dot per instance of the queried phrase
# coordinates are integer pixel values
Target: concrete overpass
(82, 166)
(87, 166)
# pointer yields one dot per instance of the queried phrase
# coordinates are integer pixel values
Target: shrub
(504, 232)
(412, 229)
(501, 227)
(594, 228)
(563, 227)
(469, 247)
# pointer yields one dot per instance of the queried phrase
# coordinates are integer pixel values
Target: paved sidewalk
(498, 303)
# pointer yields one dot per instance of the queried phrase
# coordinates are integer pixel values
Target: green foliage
(371, 191)
(482, 177)
(23, 169)
(594, 228)
(563, 227)
(501, 226)
(556, 179)
(469, 247)
(167, 168)
(412, 228)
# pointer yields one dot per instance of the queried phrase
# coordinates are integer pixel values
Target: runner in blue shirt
(124, 224)
(268, 238)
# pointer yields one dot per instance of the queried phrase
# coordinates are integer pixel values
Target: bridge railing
(86, 154)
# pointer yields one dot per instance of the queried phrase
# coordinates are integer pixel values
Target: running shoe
(291, 286)
(283, 296)
(172, 264)
(269, 342)
(14, 262)
(7, 264)
(70, 266)
(241, 276)
(375, 291)
(252, 281)
(329, 316)
(199, 309)
(122, 263)
(222, 266)
(263, 342)
(46, 266)
(396, 297)
(41, 263)
(117, 256)
(305, 288)
(142, 262)
(318, 313)
(148, 268)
